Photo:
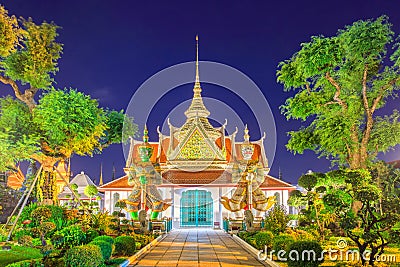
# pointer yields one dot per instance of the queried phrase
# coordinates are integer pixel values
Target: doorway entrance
(196, 208)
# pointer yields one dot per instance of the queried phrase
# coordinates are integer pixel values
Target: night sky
(112, 47)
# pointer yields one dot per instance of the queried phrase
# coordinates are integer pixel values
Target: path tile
(198, 248)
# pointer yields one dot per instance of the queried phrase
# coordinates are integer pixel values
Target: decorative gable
(196, 147)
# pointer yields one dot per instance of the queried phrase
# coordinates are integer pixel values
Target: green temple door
(196, 208)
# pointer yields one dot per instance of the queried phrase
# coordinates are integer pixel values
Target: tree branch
(381, 91)
(336, 97)
(27, 97)
(364, 91)
(308, 88)
(14, 86)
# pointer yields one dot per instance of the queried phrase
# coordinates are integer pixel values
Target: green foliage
(90, 191)
(91, 234)
(105, 238)
(309, 180)
(365, 208)
(27, 263)
(106, 248)
(282, 242)
(20, 233)
(25, 240)
(340, 82)
(17, 140)
(263, 239)
(119, 127)
(17, 254)
(143, 239)
(10, 33)
(70, 236)
(84, 256)
(124, 245)
(276, 219)
(305, 259)
(36, 60)
(70, 122)
(41, 214)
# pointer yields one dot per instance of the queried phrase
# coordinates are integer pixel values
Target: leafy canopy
(339, 83)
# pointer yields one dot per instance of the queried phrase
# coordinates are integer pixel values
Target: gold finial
(246, 135)
(197, 83)
(145, 134)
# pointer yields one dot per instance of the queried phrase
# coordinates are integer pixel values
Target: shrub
(91, 234)
(276, 220)
(282, 242)
(46, 228)
(36, 242)
(106, 238)
(71, 236)
(125, 245)
(263, 239)
(25, 240)
(41, 213)
(105, 247)
(26, 213)
(84, 256)
(26, 263)
(143, 239)
(306, 259)
(22, 232)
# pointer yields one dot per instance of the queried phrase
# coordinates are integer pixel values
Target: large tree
(340, 82)
(63, 122)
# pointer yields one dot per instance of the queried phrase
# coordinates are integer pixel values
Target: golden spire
(197, 83)
(246, 135)
(101, 174)
(145, 134)
(197, 108)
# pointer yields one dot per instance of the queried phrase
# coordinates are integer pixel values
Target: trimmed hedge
(262, 239)
(26, 263)
(84, 256)
(105, 247)
(125, 245)
(25, 240)
(282, 242)
(305, 258)
(70, 236)
(106, 238)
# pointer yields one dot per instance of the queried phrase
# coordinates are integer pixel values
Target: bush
(105, 247)
(263, 239)
(71, 236)
(282, 242)
(26, 263)
(84, 256)
(308, 259)
(41, 213)
(25, 240)
(106, 238)
(276, 220)
(125, 245)
(91, 234)
(20, 233)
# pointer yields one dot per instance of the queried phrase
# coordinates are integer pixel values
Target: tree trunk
(47, 185)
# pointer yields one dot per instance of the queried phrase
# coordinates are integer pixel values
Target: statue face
(145, 154)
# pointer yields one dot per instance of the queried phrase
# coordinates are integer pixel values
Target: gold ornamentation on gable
(196, 147)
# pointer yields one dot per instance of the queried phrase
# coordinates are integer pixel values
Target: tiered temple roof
(198, 153)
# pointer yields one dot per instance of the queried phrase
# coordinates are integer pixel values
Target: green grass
(18, 253)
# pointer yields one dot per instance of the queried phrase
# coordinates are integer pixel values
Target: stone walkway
(198, 247)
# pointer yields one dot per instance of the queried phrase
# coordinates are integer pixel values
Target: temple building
(201, 174)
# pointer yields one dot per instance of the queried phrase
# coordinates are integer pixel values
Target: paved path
(198, 247)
